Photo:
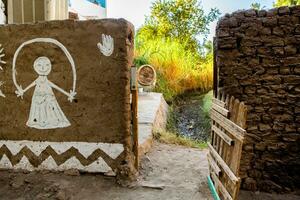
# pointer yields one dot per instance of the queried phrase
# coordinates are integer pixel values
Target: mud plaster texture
(101, 111)
(258, 59)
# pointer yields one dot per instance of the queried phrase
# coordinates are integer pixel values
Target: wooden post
(134, 92)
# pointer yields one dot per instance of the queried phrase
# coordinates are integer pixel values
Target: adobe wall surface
(81, 107)
(258, 58)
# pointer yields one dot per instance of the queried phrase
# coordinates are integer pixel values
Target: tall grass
(178, 70)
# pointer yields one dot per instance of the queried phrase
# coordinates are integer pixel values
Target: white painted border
(84, 148)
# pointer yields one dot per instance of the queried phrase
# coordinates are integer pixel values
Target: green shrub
(178, 70)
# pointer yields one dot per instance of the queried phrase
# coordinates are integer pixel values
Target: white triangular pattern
(113, 150)
(14, 147)
(60, 147)
(48, 164)
(98, 166)
(5, 163)
(24, 164)
(72, 163)
(36, 148)
(85, 148)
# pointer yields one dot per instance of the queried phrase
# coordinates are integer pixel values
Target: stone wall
(65, 95)
(258, 58)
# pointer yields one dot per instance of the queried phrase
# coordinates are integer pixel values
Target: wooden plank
(134, 108)
(235, 111)
(221, 162)
(10, 12)
(220, 109)
(231, 102)
(223, 135)
(228, 125)
(218, 102)
(213, 165)
(237, 152)
(227, 100)
(219, 185)
(242, 115)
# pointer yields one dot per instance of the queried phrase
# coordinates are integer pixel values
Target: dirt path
(181, 171)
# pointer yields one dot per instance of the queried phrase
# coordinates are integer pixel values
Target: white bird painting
(2, 62)
(107, 46)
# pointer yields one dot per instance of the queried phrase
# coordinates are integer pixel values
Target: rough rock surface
(258, 59)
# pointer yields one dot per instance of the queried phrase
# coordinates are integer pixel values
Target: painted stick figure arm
(71, 95)
(20, 92)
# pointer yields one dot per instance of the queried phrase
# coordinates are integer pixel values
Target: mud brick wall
(258, 60)
(50, 128)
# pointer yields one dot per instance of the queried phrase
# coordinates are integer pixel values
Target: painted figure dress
(45, 112)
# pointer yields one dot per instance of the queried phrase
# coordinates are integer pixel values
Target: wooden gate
(225, 148)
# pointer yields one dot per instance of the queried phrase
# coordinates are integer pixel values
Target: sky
(136, 10)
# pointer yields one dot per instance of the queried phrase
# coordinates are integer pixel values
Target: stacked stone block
(258, 60)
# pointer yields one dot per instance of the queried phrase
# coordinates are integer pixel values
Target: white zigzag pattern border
(85, 148)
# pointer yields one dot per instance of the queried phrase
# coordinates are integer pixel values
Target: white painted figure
(107, 48)
(45, 112)
(2, 15)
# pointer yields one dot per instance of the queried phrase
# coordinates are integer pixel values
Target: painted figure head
(42, 66)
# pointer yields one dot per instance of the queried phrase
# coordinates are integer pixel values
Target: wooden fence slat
(213, 165)
(220, 109)
(228, 125)
(242, 115)
(235, 110)
(231, 102)
(237, 151)
(223, 135)
(229, 117)
(220, 161)
(220, 187)
(227, 100)
(218, 102)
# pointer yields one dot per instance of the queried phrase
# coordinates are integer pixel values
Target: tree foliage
(181, 20)
(279, 3)
(257, 6)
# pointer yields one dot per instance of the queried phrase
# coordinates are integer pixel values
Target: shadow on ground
(167, 172)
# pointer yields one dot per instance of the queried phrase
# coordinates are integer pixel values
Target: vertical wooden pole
(134, 92)
(10, 12)
(33, 11)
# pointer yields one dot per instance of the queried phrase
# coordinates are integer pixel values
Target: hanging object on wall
(107, 46)
(45, 112)
(146, 77)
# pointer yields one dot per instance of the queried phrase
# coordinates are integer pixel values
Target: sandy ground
(179, 173)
